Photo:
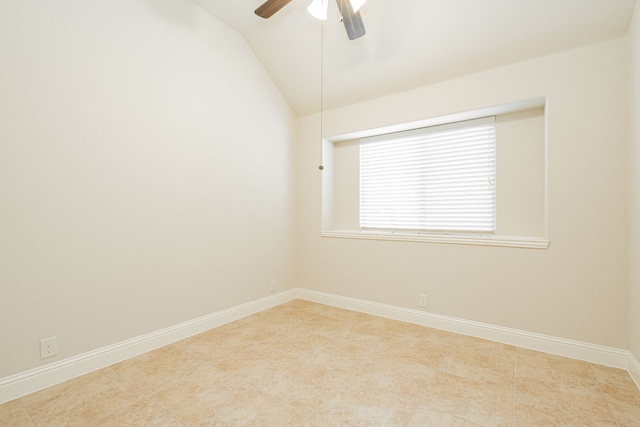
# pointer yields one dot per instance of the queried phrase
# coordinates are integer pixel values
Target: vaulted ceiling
(410, 43)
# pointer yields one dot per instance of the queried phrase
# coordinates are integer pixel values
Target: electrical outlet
(423, 300)
(48, 347)
(272, 286)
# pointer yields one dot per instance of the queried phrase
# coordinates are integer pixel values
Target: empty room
(320, 213)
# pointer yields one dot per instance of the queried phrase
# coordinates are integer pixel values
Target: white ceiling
(410, 43)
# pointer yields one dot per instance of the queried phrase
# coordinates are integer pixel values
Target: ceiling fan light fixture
(356, 4)
(318, 9)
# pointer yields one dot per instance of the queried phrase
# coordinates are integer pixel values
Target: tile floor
(306, 364)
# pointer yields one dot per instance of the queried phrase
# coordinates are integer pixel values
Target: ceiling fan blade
(352, 21)
(270, 7)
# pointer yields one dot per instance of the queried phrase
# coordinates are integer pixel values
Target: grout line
(600, 385)
(24, 408)
(515, 373)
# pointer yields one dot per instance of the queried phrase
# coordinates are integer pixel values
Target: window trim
(326, 219)
(529, 242)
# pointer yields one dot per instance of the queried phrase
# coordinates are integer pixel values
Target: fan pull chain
(321, 167)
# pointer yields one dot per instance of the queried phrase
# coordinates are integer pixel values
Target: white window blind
(437, 179)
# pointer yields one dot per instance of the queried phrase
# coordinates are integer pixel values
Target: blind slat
(434, 179)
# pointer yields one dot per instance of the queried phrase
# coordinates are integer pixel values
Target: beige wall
(634, 187)
(146, 179)
(145, 173)
(576, 288)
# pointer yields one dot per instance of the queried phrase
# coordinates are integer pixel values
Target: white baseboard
(33, 380)
(563, 347)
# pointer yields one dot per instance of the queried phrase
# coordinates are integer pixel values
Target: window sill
(507, 241)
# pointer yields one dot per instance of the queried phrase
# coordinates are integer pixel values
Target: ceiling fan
(349, 13)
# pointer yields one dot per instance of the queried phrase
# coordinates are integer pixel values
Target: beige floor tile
(478, 401)
(340, 354)
(13, 414)
(346, 316)
(298, 342)
(323, 324)
(307, 364)
(426, 415)
(494, 353)
(303, 309)
(140, 413)
(553, 370)
(481, 360)
(401, 377)
(537, 415)
(374, 343)
(80, 401)
(252, 364)
(157, 369)
(213, 345)
(370, 331)
(416, 335)
(301, 385)
(568, 403)
(613, 376)
(412, 362)
(621, 393)
(294, 311)
(554, 390)
(428, 356)
(255, 328)
(227, 401)
(625, 414)
(528, 414)
(271, 322)
(363, 406)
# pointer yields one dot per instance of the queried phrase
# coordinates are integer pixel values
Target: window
(477, 177)
(439, 179)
